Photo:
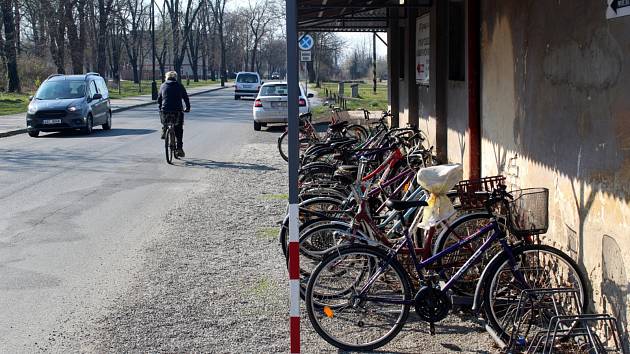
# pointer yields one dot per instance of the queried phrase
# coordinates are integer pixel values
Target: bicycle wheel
(170, 143)
(283, 145)
(357, 131)
(344, 318)
(461, 228)
(542, 267)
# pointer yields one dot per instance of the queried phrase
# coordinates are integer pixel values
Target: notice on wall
(617, 8)
(423, 49)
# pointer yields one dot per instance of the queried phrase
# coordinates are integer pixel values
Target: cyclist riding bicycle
(170, 97)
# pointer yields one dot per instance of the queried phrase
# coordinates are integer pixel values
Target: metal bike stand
(579, 331)
(567, 327)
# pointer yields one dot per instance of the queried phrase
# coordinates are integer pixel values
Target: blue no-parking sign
(306, 42)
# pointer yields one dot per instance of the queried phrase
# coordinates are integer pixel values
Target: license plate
(51, 121)
(278, 104)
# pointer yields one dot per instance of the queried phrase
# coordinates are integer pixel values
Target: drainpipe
(474, 89)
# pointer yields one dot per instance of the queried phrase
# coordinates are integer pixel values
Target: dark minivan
(66, 102)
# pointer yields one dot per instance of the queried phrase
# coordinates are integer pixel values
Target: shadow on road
(276, 128)
(99, 133)
(200, 163)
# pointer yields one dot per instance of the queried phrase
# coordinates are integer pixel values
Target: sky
(355, 39)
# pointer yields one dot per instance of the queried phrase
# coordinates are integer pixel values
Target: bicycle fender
(482, 279)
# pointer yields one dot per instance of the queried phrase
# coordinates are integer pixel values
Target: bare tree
(260, 13)
(104, 11)
(181, 25)
(55, 13)
(133, 17)
(218, 9)
(10, 45)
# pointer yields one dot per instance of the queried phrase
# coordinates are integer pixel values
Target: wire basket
(529, 213)
(467, 190)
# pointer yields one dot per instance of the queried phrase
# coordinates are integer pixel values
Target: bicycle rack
(564, 328)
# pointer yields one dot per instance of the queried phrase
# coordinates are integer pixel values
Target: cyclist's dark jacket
(171, 95)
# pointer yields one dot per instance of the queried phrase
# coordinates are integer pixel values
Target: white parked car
(270, 105)
(247, 84)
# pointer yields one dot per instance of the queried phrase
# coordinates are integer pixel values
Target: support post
(474, 88)
(441, 77)
(393, 65)
(154, 93)
(412, 87)
(374, 61)
(293, 77)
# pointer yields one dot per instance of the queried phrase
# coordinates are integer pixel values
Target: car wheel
(237, 97)
(33, 133)
(108, 122)
(88, 126)
(256, 126)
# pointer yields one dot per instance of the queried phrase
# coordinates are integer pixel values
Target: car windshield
(247, 78)
(274, 90)
(59, 90)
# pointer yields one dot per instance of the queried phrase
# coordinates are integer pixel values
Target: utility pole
(154, 93)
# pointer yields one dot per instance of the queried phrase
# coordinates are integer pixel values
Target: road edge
(117, 110)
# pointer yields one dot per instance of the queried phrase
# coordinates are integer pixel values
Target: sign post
(293, 78)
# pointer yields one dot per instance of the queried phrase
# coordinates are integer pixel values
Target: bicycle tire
(498, 266)
(283, 145)
(169, 145)
(281, 139)
(358, 132)
(319, 316)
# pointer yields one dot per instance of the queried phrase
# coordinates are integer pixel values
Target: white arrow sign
(617, 8)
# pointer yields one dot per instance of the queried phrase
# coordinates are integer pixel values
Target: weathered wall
(556, 113)
(457, 115)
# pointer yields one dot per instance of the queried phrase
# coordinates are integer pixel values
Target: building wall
(556, 114)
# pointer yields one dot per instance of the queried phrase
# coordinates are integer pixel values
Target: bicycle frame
(497, 234)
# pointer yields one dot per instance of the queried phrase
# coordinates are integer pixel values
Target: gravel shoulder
(214, 280)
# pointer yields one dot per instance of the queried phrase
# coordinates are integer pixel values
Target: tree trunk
(101, 43)
(223, 68)
(76, 47)
(10, 46)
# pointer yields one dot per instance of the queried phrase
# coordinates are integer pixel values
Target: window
(247, 78)
(67, 89)
(274, 90)
(92, 89)
(102, 88)
(456, 41)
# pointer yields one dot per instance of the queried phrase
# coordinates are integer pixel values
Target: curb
(12, 132)
(117, 110)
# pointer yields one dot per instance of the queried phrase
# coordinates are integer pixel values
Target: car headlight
(31, 109)
(72, 109)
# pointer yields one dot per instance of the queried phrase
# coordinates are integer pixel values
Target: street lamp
(154, 93)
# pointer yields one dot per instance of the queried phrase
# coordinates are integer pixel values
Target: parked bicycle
(359, 296)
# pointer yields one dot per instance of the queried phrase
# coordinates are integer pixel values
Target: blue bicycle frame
(497, 234)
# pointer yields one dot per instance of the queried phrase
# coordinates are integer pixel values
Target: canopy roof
(352, 15)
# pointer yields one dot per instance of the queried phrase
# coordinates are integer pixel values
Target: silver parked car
(270, 105)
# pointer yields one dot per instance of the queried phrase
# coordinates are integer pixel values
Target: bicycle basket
(466, 191)
(529, 213)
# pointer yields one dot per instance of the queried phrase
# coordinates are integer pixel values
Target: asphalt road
(75, 210)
